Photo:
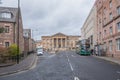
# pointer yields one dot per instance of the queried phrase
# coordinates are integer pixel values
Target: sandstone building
(9, 21)
(59, 42)
(29, 43)
(108, 26)
(88, 30)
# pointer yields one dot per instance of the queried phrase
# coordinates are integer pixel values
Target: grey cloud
(47, 17)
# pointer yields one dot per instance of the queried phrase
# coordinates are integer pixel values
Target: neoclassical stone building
(59, 42)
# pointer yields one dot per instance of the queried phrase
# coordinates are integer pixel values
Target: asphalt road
(69, 66)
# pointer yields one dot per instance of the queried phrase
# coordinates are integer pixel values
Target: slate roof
(59, 34)
(11, 10)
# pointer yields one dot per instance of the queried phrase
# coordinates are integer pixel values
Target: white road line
(76, 78)
(35, 63)
(73, 56)
(71, 67)
(69, 63)
(52, 56)
(118, 72)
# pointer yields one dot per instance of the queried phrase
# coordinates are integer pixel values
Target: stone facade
(88, 31)
(108, 26)
(59, 42)
(9, 21)
(38, 43)
(29, 44)
(27, 33)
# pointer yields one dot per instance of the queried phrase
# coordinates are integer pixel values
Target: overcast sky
(47, 17)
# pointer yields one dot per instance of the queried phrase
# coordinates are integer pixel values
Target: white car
(39, 51)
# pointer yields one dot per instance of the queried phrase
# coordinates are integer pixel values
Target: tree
(13, 50)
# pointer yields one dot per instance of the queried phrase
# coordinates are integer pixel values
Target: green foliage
(1, 30)
(13, 50)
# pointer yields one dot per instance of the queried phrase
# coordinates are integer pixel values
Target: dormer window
(5, 15)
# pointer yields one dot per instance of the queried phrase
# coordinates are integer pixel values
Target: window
(26, 34)
(110, 4)
(118, 27)
(110, 45)
(104, 32)
(111, 17)
(104, 10)
(7, 29)
(7, 44)
(118, 44)
(104, 21)
(100, 21)
(91, 39)
(100, 35)
(105, 47)
(111, 30)
(118, 10)
(5, 15)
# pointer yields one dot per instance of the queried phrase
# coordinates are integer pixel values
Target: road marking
(76, 78)
(44, 56)
(71, 67)
(69, 63)
(118, 72)
(73, 56)
(35, 63)
(52, 56)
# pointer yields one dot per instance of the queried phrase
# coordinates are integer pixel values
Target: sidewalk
(23, 65)
(114, 60)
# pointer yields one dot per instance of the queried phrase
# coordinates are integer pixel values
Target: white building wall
(89, 27)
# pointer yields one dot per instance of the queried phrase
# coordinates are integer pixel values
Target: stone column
(65, 43)
(57, 42)
(61, 42)
(52, 43)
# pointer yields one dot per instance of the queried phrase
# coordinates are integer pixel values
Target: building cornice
(114, 18)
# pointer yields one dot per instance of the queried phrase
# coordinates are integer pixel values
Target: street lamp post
(32, 37)
(18, 31)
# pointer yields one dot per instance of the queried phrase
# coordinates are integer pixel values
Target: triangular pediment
(59, 34)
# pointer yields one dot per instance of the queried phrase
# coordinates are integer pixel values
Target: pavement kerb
(25, 69)
(108, 59)
(6, 65)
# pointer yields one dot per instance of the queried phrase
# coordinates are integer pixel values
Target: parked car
(40, 51)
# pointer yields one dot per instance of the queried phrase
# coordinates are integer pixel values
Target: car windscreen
(40, 50)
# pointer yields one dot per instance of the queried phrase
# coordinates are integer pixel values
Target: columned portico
(59, 42)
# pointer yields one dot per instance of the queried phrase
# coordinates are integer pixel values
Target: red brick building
(108, 26)
(9, 21)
